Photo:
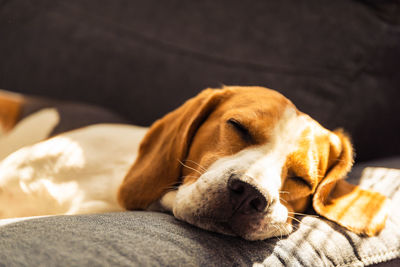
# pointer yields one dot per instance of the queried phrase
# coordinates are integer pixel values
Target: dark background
(338, 61)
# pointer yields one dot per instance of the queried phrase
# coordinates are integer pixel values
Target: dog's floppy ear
(158, 165)
(361, 211)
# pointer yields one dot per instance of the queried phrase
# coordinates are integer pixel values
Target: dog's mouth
(217, 215)
(232, 204)
(249, 228)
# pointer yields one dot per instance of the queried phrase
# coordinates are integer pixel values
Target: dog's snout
(246, 198)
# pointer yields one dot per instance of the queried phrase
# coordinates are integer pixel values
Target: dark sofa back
(337, 60)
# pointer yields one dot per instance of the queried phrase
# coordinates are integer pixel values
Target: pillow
(142, 238)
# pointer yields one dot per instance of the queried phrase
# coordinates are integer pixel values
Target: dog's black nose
(246, 198)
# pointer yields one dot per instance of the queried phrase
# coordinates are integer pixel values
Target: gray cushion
(156, 239)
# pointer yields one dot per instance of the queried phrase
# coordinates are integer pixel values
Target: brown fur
(10, 109)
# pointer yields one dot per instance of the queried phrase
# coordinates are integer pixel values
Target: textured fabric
(156, 239)
(336, 60)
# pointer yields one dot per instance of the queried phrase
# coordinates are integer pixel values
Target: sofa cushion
(72, 114)
(142, 238)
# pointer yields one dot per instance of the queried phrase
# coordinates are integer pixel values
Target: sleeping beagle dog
(238, 160)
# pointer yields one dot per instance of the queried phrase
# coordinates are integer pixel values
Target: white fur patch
(77, 172)
(32, 129)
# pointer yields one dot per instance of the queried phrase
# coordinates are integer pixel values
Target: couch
(132, 61)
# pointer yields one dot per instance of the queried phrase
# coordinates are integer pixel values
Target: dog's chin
(258, 228)
(214, 212)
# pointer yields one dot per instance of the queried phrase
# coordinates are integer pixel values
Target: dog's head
(242, 161)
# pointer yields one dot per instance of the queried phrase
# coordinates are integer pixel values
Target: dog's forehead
(262, 100)
(259, 109)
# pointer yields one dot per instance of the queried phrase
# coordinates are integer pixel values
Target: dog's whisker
(295, 227)
(300, 223)
(186, 166)
(295, 219)
(284, 192)
(201, 167)
(303, 214)
(278, 229)
(190, 176)
(281, 199)
(282, 232)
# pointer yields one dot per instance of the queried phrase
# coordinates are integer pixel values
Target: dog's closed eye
(242, 130)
